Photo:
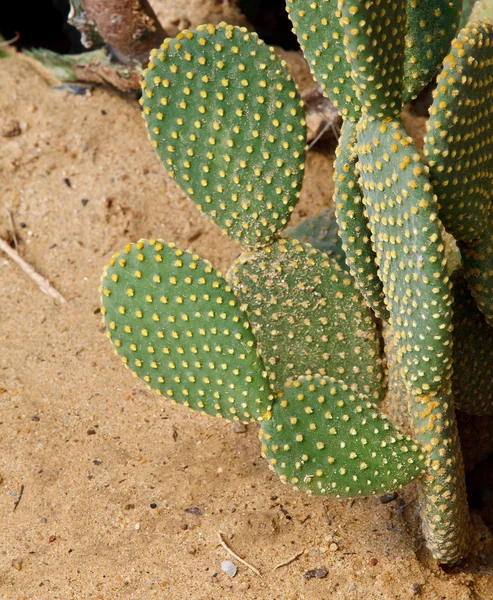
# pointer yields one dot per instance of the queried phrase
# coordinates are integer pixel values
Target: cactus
(293, 336)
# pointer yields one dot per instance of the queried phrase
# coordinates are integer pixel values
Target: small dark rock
(84, 201)
(97, 462)
(91, 432)
(51, 539)
(184, 526)
(153, 505)
(386, 498)
(129, 506)
(416, 588)
(194, 510)
(67, 182)
(9, 128)
(315, 574)
(35, 418)
(373, 562)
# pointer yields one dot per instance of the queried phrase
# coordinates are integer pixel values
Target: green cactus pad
(431, 27)
(459, 141)
(472, 381)
(446, 521)
(353, 223)
(226, 120)
(374, 43)
(325, 439)
(322, 232)
(478, 270)
(308, 317)
(407, 237)
(177, 325)
(320, 35)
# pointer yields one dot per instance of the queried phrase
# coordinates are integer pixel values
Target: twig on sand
(12, 227)
(43, 284)
(234, 555)
(18, 501)
(289, 560)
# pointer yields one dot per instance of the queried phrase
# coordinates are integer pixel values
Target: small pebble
(194, 510)
(51, 539)
(416, 588)
(351, 587)
(17, 563)
(315, 574)
(243, 587)
(333, 547)
(191, 549)
(373, 562)
(137, 526)
(91, 432)
(153, 505)
(229, 568)
(386, 498)
(313, 552)
(239, 427)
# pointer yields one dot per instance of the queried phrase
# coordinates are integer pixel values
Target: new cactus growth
(292, 338)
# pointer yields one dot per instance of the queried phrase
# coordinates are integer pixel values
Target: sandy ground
(109, 492)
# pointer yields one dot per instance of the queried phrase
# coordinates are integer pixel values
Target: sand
(123, 494)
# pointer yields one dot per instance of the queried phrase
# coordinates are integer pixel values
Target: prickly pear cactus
(293, 337)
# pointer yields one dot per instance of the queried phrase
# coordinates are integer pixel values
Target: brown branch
(129, 27)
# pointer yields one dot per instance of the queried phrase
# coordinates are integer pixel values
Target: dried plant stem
(234, 555)
(43, 284)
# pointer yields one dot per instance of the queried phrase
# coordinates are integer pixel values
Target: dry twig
(289, 560)
(234, 555)
(43, 284)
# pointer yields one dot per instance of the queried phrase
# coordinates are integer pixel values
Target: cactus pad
(226, 120)
(374, 43)
(177, 325)
(407, 237)
(321, 232)
(459, 141)
(353, 223)
(325, 439)
(431, 26)
(308, 316)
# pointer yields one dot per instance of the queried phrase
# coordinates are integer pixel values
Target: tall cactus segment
(430, 29)
(410, 253)
(309, 317)
(316, 24)
(326, 439)
(352, 219)
(473, 354)
(226, 120)
(445, 514)
(177, 325)
(374, 35)
(478, 269)
(459, 141)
